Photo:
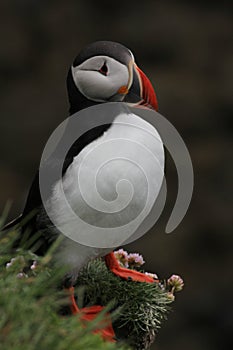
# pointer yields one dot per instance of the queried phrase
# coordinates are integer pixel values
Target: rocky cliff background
(185, 47)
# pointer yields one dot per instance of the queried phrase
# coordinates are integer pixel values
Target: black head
(105, 71)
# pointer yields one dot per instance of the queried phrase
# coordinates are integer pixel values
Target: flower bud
(153, 275)
(170, 296)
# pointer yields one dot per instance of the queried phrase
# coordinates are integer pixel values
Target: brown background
(185, 48)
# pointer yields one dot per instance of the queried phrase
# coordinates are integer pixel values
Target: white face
(100, 78)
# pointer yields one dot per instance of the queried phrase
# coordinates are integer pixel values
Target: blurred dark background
(185, 47)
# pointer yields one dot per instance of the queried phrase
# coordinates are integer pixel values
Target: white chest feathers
(111, 184)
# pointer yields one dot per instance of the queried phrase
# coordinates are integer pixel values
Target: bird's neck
(77, 105)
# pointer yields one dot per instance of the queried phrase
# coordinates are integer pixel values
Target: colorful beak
(148, 95)
(141, 91)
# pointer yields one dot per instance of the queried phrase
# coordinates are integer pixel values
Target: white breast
(111, 184)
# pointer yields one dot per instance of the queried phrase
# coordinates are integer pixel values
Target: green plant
(30, 302)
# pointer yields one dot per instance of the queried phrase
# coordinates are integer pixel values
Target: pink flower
(9, 264)
(21, 275)
(122, 257)
(176, 283)
(153, 275)
(135, 260)
(33, 266)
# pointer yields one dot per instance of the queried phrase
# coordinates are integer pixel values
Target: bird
(103, 72)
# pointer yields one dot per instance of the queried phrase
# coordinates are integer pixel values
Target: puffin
(103, 72)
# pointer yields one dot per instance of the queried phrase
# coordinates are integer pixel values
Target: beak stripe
(148, 95)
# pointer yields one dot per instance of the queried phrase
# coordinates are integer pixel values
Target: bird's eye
(104, 69)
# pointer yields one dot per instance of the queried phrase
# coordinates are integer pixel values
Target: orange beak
(148, 95)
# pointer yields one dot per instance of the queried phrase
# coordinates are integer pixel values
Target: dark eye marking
(104, 69)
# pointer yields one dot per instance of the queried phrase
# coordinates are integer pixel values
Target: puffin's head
(105, 71)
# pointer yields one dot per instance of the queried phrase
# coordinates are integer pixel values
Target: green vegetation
(30, 300)
(29, 304)
(141, 306)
